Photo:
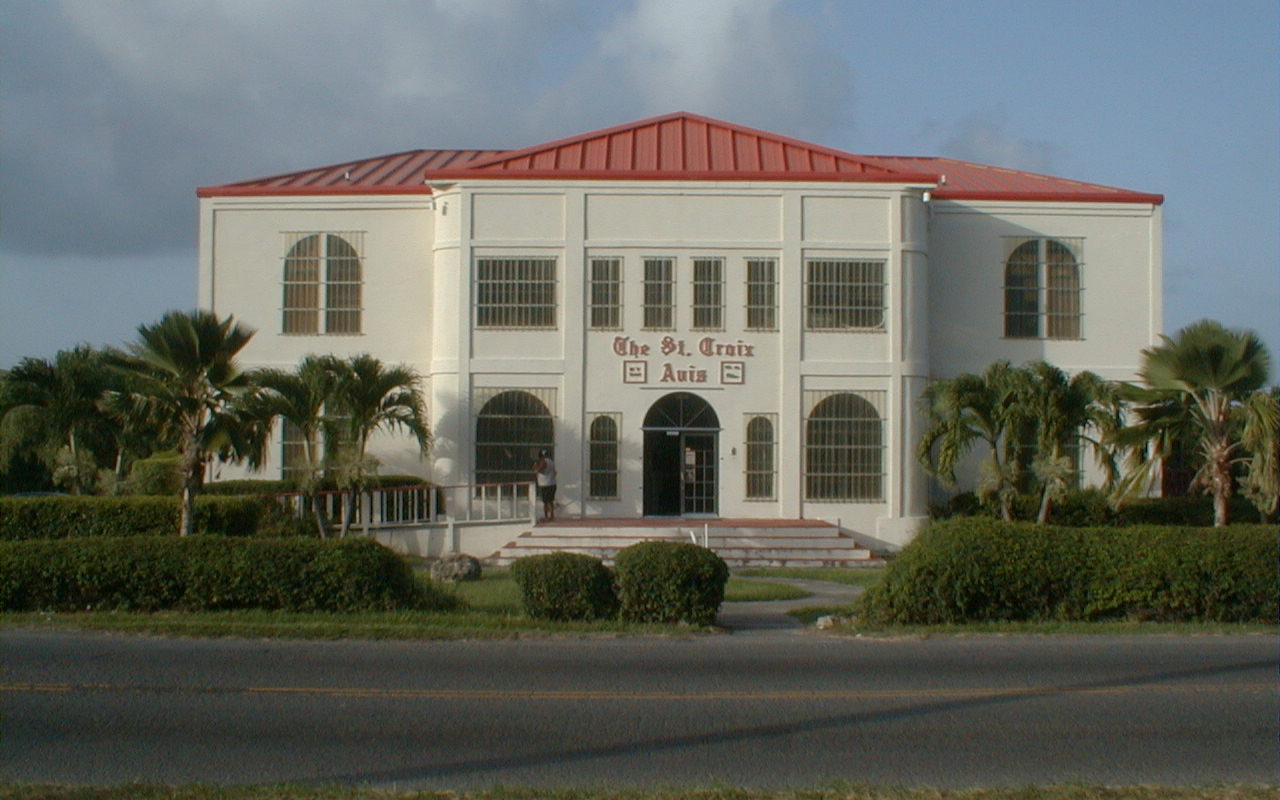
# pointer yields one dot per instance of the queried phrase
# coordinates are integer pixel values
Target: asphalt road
(771, 708)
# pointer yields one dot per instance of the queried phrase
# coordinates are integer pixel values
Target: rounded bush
(978, 569)
(565, 586)
(201, 573)
(670, 582)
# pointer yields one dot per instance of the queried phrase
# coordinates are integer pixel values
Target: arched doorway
(681, 432)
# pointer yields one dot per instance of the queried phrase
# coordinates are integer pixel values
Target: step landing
(741, 543)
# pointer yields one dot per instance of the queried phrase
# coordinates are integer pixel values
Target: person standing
(545, 474)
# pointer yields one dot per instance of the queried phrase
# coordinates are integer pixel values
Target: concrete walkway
(770, 616)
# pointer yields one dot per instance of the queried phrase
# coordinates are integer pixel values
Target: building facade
(698, 318)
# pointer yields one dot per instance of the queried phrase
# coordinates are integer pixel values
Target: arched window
(602, 467)
(510, 430)
(1042, 290)
(322, 260)
(844, 450)
(760, 458)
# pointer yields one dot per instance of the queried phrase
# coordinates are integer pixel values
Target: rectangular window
(761, 449)
(762, 294)
(605, 295)
(293, 452)
(602, 456)
(708, 293)
(659, 294)
(515, 293)
(844, 294)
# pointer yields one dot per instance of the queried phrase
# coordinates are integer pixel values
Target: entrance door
(680, 457)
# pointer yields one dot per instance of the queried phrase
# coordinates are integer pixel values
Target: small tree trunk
(1046, 503)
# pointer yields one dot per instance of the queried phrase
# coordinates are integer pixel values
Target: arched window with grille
(602, 457)
(844, 447)
(512, 427)
(760, 444)
(1042, 289)
(323, 284)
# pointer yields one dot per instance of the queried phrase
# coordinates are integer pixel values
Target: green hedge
(670, 582)
(75, 516)
(565, 586)
(201, 573)
(977, 569)
(1092, 508)
(255, 486)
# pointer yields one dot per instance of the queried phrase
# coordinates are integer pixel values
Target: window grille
(322, 260)
(761, 451)
(842, 294)
(515, 292)
(1042, 289)
(708, 293)
(606, 294)
(659, 294)
(512, 427)
(844, 446)
(293, 452)
(762, 294)
(602, 461)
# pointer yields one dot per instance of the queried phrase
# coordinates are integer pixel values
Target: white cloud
(984, 136)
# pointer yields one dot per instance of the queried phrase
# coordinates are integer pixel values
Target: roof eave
(1050, 196)
(300, 191)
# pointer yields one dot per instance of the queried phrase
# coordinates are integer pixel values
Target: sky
(112, 112)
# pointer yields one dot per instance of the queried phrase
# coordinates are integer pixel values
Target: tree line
(79, 421)
(1201, 399)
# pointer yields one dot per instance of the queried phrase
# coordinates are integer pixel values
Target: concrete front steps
(741, 543)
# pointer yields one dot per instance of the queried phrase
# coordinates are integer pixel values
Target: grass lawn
(493, 612)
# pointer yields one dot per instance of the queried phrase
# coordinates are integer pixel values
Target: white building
(699, 318)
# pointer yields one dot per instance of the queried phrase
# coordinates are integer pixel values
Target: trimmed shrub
(59, 517)
(273, 487)
(203, 573)
(565, 586)
(160, 474)
(670, 582)
(76, 516)
(977, 569)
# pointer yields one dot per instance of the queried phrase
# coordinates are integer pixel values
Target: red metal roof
(679, 146)
(966, 180)
(399, 173)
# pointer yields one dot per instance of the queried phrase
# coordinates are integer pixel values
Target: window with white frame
(708, 293)
(844, 294)
(761, 451)
(513, 426)
(602, 456)
(659, 294)
(762, 294)
(323, 280)
(1042, 288)
(605, 294)
(515, 292)
(844, 447)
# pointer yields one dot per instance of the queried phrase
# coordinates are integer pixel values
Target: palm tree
(55, 408)
(300, 398)
(1066, 412)
(186, 376)
(968, 409)
(371, 397)
(1260, 435)
(1195, 387)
